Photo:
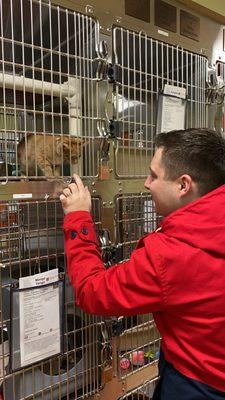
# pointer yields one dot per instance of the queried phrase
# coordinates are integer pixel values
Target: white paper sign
(173, 109)
(39, 317)
(175, 91)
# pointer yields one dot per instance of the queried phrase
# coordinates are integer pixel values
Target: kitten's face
(76, 149)
(72, 148)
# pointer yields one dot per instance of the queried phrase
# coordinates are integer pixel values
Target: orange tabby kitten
(48, 152)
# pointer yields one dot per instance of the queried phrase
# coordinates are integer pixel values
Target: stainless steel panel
(143, 392)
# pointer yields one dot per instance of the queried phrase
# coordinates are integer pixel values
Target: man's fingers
(67, 192)
(78, 182)
(73, 187)
(87, 191)
(62, 198)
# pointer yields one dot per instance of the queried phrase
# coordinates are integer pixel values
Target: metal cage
(143, 392)
(142, 66)
(139, 342)
(48, 91)
(134, 218)
(32, 242)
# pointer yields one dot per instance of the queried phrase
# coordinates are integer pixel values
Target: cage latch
(104, 238)
(117, 326)
(112, 255)
(104, 160)
(114, 129)
(112, 73)
(117, 254)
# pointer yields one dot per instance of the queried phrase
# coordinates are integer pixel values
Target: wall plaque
(189, 25)
(138, 9)
(165, 16)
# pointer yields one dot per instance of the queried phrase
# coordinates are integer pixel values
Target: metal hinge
(112, 73)
(117, 326)
(111, 253)
(102, 61)
(114, 128)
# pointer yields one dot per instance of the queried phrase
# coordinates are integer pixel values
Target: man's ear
(185, 185)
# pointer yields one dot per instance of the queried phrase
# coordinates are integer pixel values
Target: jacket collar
(200, 223)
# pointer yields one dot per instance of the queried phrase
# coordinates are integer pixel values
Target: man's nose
(148, 182)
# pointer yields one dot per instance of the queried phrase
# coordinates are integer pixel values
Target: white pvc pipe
(36, 86)
(75, 103)
(75, 107)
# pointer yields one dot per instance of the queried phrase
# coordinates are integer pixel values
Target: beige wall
(214, 9)
(211, 26)
(218, 6)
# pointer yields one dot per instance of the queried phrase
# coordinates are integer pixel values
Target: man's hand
(76, 197)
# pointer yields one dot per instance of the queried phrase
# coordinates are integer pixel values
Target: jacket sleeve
(130, 288)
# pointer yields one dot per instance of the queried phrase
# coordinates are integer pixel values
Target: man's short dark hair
(199, 153)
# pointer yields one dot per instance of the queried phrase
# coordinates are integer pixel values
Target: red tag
(124, 363)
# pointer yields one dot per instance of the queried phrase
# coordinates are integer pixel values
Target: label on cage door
(104, 172)
(107, 374)
(22, 196)
(39, 317)
(171, 109)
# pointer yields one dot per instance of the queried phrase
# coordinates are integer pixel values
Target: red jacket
(176, 272)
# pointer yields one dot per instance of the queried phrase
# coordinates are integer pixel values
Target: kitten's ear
(83, 142)
(66, 144)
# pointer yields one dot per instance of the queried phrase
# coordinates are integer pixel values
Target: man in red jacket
(176, 272)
